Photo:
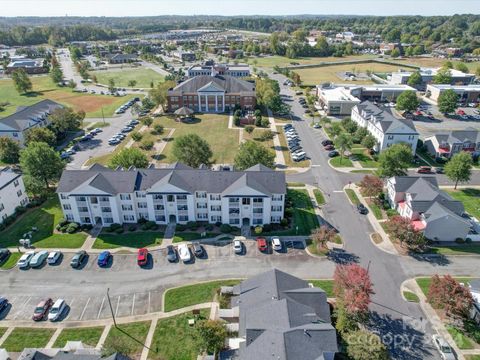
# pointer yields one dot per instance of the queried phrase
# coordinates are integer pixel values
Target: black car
(362, 209)
(197, 249)
(4, 254)
(327, 142)
(171, 253)
(3, 303)
(78, 258)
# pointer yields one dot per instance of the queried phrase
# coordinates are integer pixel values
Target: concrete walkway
(5, 335)
(131, 141)
(103, 337)
(168, 235)
(54, 337)
(149, 338)
(279, 158)
(158, 147)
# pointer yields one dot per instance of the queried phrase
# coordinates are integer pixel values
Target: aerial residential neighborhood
(240, 180)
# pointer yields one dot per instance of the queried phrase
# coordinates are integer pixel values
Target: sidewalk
(279, 159)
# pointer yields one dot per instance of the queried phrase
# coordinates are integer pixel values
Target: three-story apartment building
(12, 193)
(178, 194)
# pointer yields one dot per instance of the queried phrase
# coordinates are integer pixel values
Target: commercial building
(466, 93)
(178, 194)
(205, 93)
(12, 192)
(212, 69)
(450, 143)
(428, 74)
(31, 66)
(122, 58)
(184, 55)
(386, 128)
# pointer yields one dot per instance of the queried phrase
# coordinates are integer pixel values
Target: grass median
(11, 261)
(133, 239)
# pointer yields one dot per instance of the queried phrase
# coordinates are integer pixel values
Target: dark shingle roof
(30, 115)
(228, 84)
(387, 121)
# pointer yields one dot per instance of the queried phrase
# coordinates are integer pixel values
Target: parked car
(262, 244)
(237, 246)
(4, 254)
(86, 138)
(276, 244)
(78, 258)
(197, 249)
(327, 142)
(97, 130)
(41, 310)
(38, 259)
(460, 112)
(104, 258)
(171, 253)
(333, 153)
(127, 129)
(317, 126)
(142, 257)
(3, 303)
(114, 141)
(329, 147)
(24, 261)
(362, 209)
(443, 347)
(424, 170)
(57, 310)
(64, 156)
(53, 257)
(184, 253)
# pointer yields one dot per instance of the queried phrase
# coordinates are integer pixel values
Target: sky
(235, 7)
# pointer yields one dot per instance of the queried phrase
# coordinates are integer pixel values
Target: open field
(44, 88)
(433, 62)
(142, 76)
(271, 61)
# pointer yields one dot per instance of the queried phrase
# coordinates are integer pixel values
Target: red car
(42, 309)
(460, 112)
(142, 257)
(329, 147)
(424, 170)
(418, 113)
(262, 244)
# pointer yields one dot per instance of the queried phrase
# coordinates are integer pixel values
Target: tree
(268, 93)
(395, 160)
(65, 119)
(447, 65)
(447, 101)
(56, 74)
(132, 83)
(147, 121)
(369, 141)
(40, 162)
(459, 168)
(249, 129)
(129, 157)
(40, 134)
(407, 101)
(71, 84)
(402, 230)
(461, 66)
(371, 186)
(343, 142)
(335, 129)
(395, 53)
(9, 150)
(349, 125)
(211, 335)
(192, 150)
(415, 79)
(443, 76)
(320, 236)
(364, 345)
(159, 93)
(251, 153)
(158, 129)
(21, 81)
(111, 85)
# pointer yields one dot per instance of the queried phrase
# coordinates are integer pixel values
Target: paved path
(54, 338)
(103, 337)
(161, 145)
(6, 334)
(149, 338)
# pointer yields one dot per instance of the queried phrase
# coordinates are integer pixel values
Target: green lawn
(463, 342)
(2, 331)
(21, 338)
(189, 236)
(463, 249)
(142, 76)
(319, 196)
(137, 330)
(377, 212)
(326, 285)
(88, 336)
(193, 294)
(352, 196)
(470, 199)
(424, 282)
(339, 161)
(295, 184)
(472, 357)
(365, 160)
(170, 331)
(11, 261)
(45, 218)
(410, 296)
(129, 239)
(282, 61)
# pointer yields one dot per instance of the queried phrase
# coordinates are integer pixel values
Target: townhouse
(178, 194)
(429, 209)
(386, 128)
(448, 144)
(12, 192)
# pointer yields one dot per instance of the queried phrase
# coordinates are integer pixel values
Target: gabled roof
(439, 212)
(387, 122)
(229, 84)
(458, 136)
(30, 115)
(7, 175)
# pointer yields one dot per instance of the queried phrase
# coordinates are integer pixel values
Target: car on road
(4, 254)
(38, 259)
(184, 253)
(362, 209)
(57, 310)
(142, 257)
(171, 254)
(317, 126)
(443, 347)
(104, 258)
(3, 303)
(237, 246)
(78, 258)
(424, 170)
(262, 244)
(42, 309)
(333, 153)
(53, 257)
(24, 261)
(276, 244)
(327, 142)
(197, 249)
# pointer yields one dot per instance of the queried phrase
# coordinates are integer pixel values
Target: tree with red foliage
(448, 294)
(320, 236)
(401, 229)
(371, 186)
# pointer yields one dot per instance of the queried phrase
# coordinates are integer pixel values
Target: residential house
(31, 66)
(448, 144)
(430, 209)
(386, 128)
(212, 69)
(428, 74)
(12, 192)
(282, 317)
(205, 93)
(184, 55)
(122, 58)
(474, 287)
(16, 125)
(179, 194)
(466, 93)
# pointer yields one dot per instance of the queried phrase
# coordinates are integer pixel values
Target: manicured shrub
(86, 227)
(225, 228)
(460, 241)
(258, 230)
(72, 228)
(284, 222)
(180, 227)
(267, 228)
(132, 227)
(146, 144)
(192, 225)
(119, 230)
(62, 222)
(209, 227)
(19, 210)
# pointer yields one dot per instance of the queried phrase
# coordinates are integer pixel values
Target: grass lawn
(11, 261)
(326, 285)
(364, 159)
(377, 212)
(142, 76)
(410, 296)
(286, 152)
(189, 236)
(21, 338)
(2, 331)
(314, 250)
(339, 161)
(470, 199)
(463, 342)
(88, 336)
(319, 196)
(256, 134)
(167, 335)
(99, 124)
(472, 357)
(432, 62)
(352, 196)
(370, 172)
(282, 61)
(44, 88)
(424, 282)
(45, 218)
(130, 239)
(463, 249)
(193, 294)
(213, 128)
(137, 330)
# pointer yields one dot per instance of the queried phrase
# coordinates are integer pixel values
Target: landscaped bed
(88, 336)
(352, 196)
(21, 338)
(341, 162)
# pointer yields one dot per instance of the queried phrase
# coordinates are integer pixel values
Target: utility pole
(103, 116)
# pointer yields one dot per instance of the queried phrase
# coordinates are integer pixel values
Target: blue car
(103, 258)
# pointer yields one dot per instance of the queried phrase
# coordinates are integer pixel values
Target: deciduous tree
(364, 345)
(447, 101)
(129, 157)
(21, 81)
(415, 79)
(40, 134)
(192, 150)
(407, 101)
(343, 142)
(251, 153)
(371, 186)
(369, 141)
(158, 94)
(443, 76)
(65, 119)
(459, 168)
(395, 160)
(402, 230)
(9, 150)
(320, 236)
(211, 335)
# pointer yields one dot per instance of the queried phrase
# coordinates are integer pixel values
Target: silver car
(38, 259)
(443, 347)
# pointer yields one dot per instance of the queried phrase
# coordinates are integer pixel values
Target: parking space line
(101, 307)
(149, 293)
(118, 303)
(133, 304)
(17, 314)
(84, 309)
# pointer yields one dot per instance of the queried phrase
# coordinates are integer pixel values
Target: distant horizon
(144, 8)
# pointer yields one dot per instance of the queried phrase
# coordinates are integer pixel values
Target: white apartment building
(385, 127)
(178, 194)
(12, 192)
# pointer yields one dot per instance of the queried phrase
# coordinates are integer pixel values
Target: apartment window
(128, 218)
(233, 200)
(245, 201)
(181, 197)
(234, 221)
(215, 208)
(85, 220)
(4, 216)
(258, 211)
(125, 197)
(276, 219)
(157, 197)
(234, 211)
(216, 218)
(82, 209)
(143, 216)
(104, 198)
(202, 206)
(108, 220)
(140, 194)
(15, 183)
(81, 198)
(160, 217)
(19, 193)
(277, 197)
(257, 221)
(201, 195)
(258, 200)
(202, 216)
(2, 207)
(390, 137)
(127, 207)
(183, 218)
(142, 205)
(69, 217)
(170, 198)
(94, 200)
(65, 207)
(182, 207)
(63, 196)
(276, 208)
(215, 197)
(23, 202)
(15, 134)
(159, 207)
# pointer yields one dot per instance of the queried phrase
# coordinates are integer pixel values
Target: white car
(97, 130)
(184, 253)
(443, 347)
(24, 261)
(38, 259)
(53, 257)
(276, 244)
(57, 310)
(237, 246)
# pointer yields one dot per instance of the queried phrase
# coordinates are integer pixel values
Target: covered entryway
(246, 222)
(98, 220)
(172, 219)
